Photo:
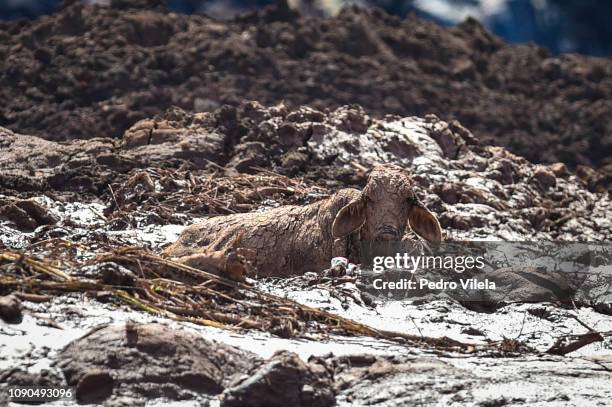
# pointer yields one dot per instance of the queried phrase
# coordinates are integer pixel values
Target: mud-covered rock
(283, 380)
(94, 387)
(401, 380)
(27, 215)
(596, 180)
(19, 377)
(10, 309)
(172, 139)
(395, 381)
(528, 284)
(29, 163)
(248, 156)
(150, 361)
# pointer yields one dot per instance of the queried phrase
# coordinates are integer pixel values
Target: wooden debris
(564, 345)
(183, 293)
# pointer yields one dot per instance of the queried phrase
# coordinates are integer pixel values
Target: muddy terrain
(94, 71)
(125, 123)
(475, 190)
(88, 302)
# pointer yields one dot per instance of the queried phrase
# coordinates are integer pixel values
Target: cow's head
(385, 207)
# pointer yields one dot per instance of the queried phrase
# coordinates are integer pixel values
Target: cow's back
(285, 241)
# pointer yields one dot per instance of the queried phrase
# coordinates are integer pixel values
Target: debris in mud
(182, 293)
(471, 370)
(94, 70)
(563, 346)
(10, 309)
(169, 193)
(282, 380)
(27, 215)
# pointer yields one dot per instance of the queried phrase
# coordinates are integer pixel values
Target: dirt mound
(476, 191)
(150, 360)
(283, 380)
(93, 71)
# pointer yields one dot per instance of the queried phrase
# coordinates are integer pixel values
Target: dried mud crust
(93, 71)
(475, 190)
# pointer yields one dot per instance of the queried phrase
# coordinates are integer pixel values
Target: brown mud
(69, 210)
(103, 163)
(181, 165)
(93, 71)
(151, 361)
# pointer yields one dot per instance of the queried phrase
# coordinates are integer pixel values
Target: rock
(528, 284)
(19, 217)
(94, 387)
(174, 138)
(472, 331)
(397, 381)
(248, 155)
(603, 308)
(451, 143)
(294, 162)
(283, 380)
(18, 377)
(138, 360)
(27, 215)
(30, 163)
(596, 181)
(545, 177)
(10, 309)
(559, 169)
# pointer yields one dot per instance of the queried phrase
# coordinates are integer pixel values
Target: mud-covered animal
(291, 240)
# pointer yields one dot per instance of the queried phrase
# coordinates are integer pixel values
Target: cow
(292, 240)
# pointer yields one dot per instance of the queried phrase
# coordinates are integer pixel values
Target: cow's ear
(424, 223)
(349, 219)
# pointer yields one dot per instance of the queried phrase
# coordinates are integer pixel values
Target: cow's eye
(413, 200)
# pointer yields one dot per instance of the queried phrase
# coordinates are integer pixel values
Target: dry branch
(562, 347)
(214, 301)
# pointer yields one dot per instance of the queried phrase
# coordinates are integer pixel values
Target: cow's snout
(387, 232)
